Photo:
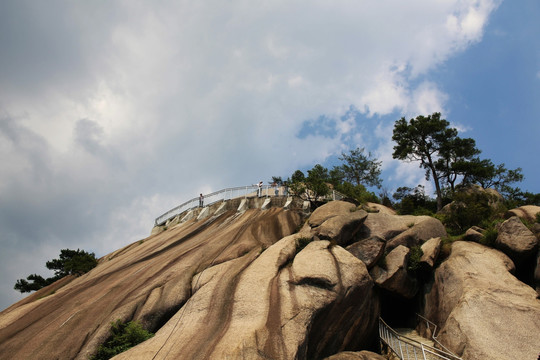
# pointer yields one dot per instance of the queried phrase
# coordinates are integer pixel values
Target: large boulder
(378, 208)
(483, 311)
(282, 305)
(394, 277)
(384, 225)
(368, 250)
(430, 252)
(329, 210)
(474, 233)
(342, 228)
(516, 241)
(536, 277)
(423, 228)
(527, 212)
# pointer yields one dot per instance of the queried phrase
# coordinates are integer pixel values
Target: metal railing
(406, 348)
(232, 193)
(431, 325)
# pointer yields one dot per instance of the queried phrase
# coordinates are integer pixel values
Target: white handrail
(232, 193)
(406, 348)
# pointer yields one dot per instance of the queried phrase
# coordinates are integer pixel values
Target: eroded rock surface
(368, 250)
(527, 212)
(394, 277)
(430, 250)
(484, 312)
(516, 240)
(227, 286)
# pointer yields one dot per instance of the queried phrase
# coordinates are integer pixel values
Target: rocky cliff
(282, 284)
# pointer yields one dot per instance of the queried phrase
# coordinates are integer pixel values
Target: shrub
(124, 336)
(538, 217)
(302, 243)
(467, 210)
(413, 264)
(490, 235)
(446, 248)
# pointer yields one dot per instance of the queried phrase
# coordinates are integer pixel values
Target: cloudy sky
(112, 112)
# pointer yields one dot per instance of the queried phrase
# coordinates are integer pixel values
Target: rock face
(368, 250)
(474, 234)
(484, 312)
(241, 283)
(394, 277)
(423, 228)
(527, 212)
(227, 286)
(430, 250)
(516, 241)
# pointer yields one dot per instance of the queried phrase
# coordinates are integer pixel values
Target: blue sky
(113, 112)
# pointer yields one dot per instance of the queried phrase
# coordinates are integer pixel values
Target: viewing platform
(237, 198)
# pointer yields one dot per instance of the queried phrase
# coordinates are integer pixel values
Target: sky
(113, 112)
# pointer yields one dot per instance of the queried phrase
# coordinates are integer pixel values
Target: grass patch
(490, 235)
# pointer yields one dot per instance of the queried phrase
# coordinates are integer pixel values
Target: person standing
(201, 200)
(259, 188)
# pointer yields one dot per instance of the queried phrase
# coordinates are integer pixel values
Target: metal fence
(406, 348)
(232, 193)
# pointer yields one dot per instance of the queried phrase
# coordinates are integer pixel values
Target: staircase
(406, 344)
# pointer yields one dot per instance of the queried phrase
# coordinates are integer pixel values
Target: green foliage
(446, 247)
(302, 243)
(317, 183)
(538, 217)
(489, 236)
(33, 282)
(357, 192)
(123, 337)
(430, 141)
(489, 175)
(276, 180)
(467, 210)
(359, 168)
(423, 139)
(414, 201)
(516, 198)
(71, 262)
(455, 154)
(413, 264)
(297, 184)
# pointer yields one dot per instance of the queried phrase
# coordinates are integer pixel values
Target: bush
(538, 217)
(469, 209)
(413, 264)
(490, 235)
(302, 243)
(124, 336)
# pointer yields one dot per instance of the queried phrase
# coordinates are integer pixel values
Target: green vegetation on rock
(123, 337)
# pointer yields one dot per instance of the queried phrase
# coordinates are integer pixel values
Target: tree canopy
(430, 140)
(70, 262)
(360, 168)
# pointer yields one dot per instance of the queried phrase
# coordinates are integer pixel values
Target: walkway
(247, 191)
(406, 344)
